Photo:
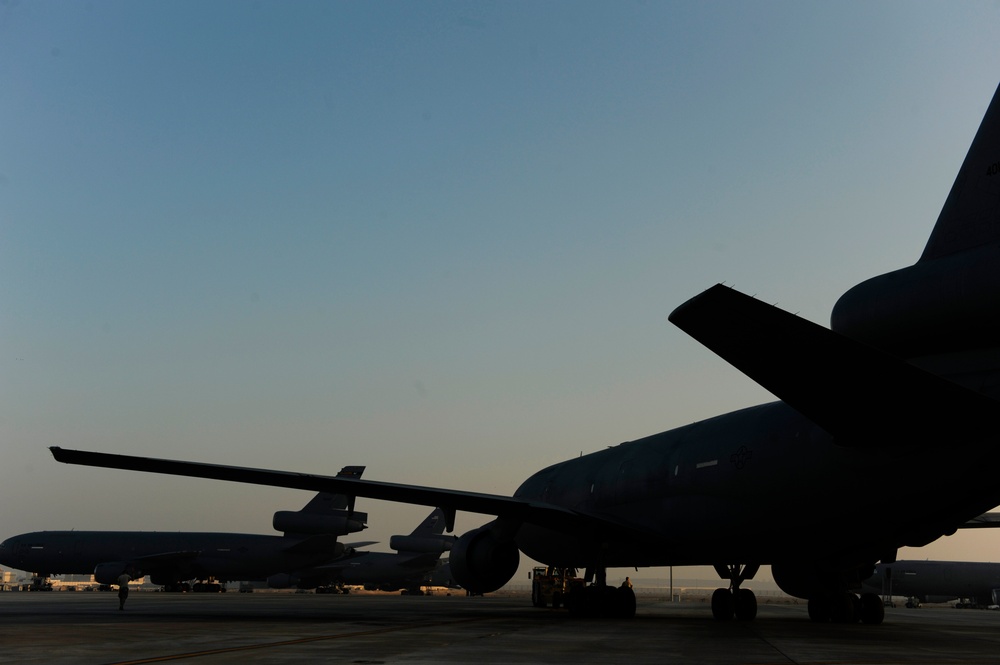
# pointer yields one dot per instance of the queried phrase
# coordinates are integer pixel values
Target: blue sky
(441, 239)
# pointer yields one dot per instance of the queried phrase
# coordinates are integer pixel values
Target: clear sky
(441, 238)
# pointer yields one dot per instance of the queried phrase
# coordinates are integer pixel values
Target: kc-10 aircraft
(905, 382)
(416, 557)
(938, 581)
(172, 558)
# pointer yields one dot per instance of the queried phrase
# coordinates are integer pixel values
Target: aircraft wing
(857, 393)
(520, 510)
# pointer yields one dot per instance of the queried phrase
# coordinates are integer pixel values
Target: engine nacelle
(282, 581)
(340, 523)
(481, 563)
(808, 579)
(289, 581)
(422, 544)
(108, 573)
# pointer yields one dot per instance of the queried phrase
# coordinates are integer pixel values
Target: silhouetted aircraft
(905, 383)
(173, 558)
(977, 583)
(417, 556)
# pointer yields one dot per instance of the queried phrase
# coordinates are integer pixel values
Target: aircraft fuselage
(170, 556)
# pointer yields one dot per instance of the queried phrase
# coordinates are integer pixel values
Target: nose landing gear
(734, 601)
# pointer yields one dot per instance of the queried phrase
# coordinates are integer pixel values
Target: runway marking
(285, 643)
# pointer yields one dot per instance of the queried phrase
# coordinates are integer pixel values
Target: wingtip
(677, 316)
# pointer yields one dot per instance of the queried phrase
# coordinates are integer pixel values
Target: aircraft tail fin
(433, 524)
(857, 393)
(325, 502)
(971, 213)
(427, 538)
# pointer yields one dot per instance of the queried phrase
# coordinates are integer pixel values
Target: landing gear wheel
(872, 609)
(745, 605)
(842, 608)
(722, 605)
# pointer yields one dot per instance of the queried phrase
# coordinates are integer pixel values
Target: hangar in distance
(904, 382)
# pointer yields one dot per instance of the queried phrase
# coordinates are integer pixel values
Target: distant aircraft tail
(326, 513)
(433, 524)
(325, 502)
(427, 538)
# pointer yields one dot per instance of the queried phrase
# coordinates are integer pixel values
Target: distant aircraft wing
(984, 521)
(521, 510)
(859, 394)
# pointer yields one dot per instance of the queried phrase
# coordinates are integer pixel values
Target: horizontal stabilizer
(359, 544)
(860, 395)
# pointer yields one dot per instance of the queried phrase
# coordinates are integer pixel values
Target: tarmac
(87, 628)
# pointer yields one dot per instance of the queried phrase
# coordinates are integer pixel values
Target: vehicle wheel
(625, 603)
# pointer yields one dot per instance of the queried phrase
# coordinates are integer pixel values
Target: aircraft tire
(842, 608)
(872, 609)
(722, 605)
(745, 605)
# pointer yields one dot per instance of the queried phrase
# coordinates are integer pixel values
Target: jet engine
(480, 562)
(805, 580)
(282, 581)
(422, 544)
(339, 523)
(289, 581)
(108, 573)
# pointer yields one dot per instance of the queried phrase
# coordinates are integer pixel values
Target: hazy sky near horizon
(440, 239)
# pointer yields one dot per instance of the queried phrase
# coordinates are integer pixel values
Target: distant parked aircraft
(173, 558)
(417, 557)
(974, 583)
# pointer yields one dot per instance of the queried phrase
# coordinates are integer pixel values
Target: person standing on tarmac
(123, 581)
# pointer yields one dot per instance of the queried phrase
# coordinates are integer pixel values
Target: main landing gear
(734, 601)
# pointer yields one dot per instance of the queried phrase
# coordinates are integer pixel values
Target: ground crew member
(123, 581)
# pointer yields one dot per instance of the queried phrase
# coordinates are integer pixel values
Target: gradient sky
(440, 239)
